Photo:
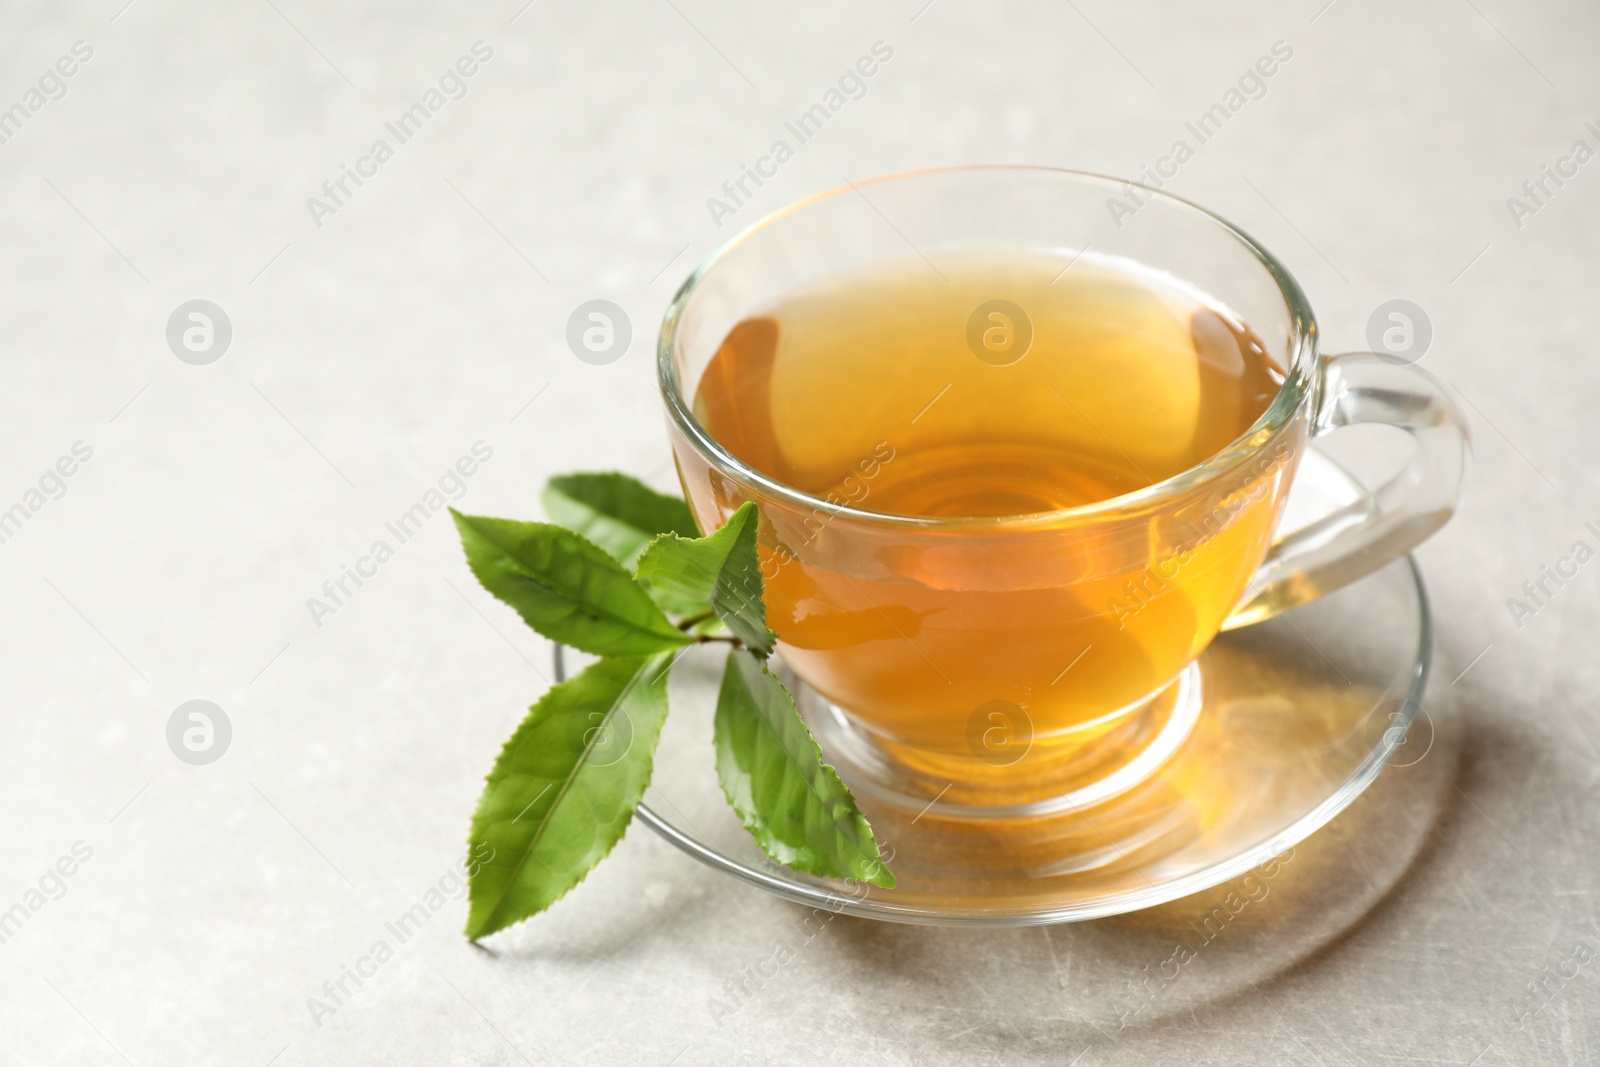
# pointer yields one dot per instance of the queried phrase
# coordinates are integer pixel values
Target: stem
(734, 641)
(694, 620)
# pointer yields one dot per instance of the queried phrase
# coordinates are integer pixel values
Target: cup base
(1040, 778)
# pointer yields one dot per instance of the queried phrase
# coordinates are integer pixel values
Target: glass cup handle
(1357, 539)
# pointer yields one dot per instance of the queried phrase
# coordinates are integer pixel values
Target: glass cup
(948, 649)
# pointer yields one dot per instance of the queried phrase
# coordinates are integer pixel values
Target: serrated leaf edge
(671, 632)
(550, 488)
(649, 760)
(761, 596)
(874, 860)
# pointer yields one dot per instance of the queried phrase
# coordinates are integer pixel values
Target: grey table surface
(376, 340)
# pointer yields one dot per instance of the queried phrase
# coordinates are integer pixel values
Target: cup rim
(1296, 383)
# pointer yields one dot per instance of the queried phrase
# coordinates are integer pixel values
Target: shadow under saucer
(1091, 981)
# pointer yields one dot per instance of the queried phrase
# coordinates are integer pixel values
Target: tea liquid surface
(997, 386)
(1127, 379)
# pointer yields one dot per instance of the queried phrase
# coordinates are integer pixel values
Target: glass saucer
(1296, 717)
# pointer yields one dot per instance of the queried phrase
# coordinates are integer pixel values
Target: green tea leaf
(618, 513)
(564, 788)
(792, 803)
(565, 587)
(721, 571)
